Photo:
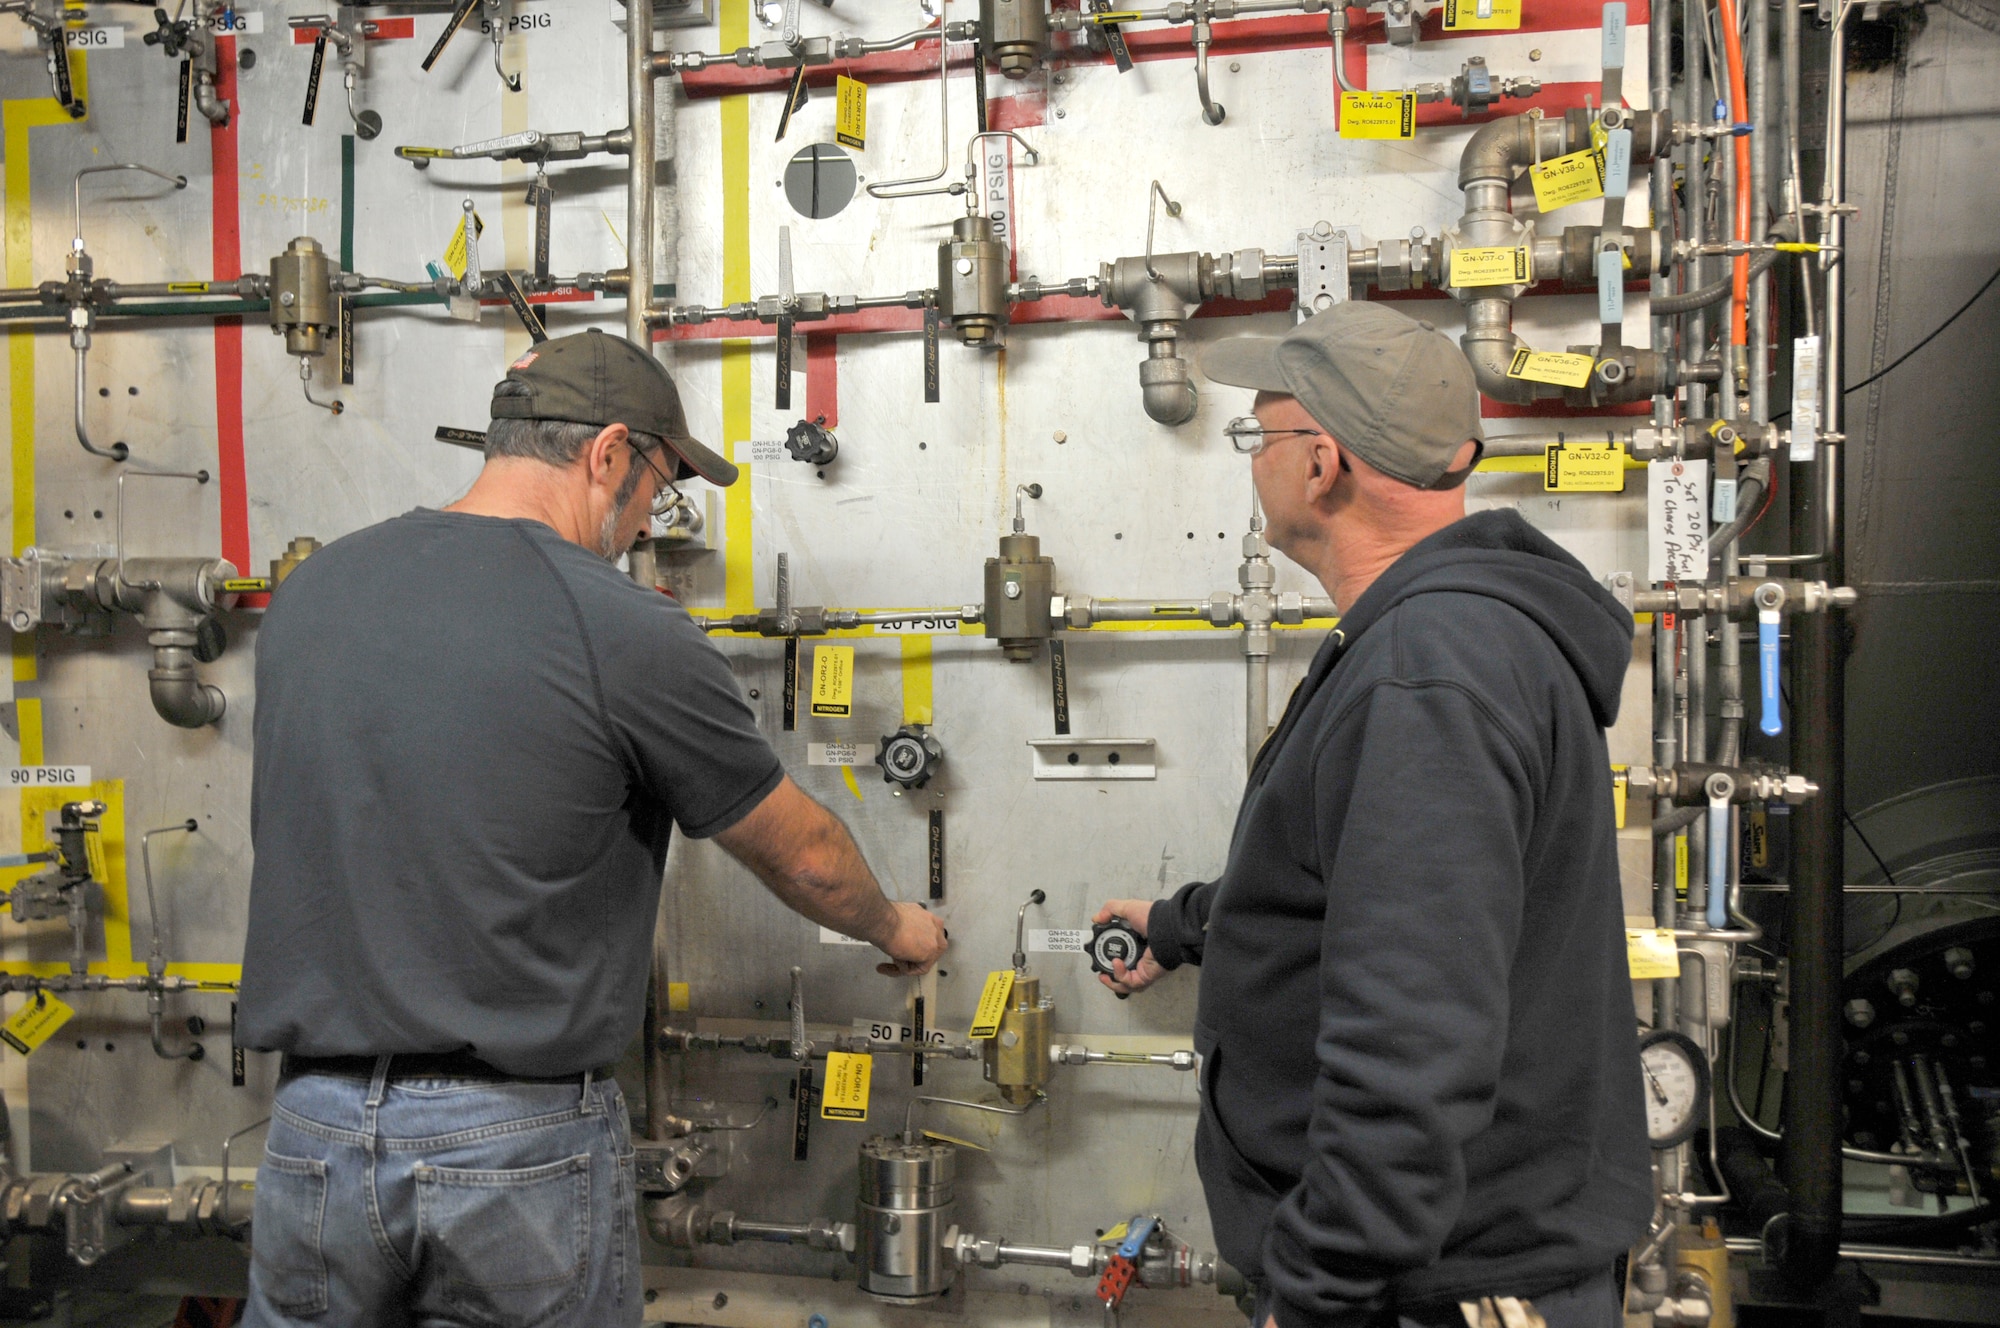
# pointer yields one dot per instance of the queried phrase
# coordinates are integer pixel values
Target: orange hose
(1739, 99)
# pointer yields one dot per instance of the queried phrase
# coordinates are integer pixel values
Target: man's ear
(601, 456)
(1325, 468)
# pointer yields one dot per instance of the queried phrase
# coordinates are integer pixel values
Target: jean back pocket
(510, 1248)
(290, 1214)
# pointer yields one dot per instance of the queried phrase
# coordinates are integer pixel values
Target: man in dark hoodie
(1419, 1082)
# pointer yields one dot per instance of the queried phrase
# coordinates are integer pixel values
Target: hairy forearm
(834, 887)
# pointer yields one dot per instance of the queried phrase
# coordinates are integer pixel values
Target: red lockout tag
(1117, 1277)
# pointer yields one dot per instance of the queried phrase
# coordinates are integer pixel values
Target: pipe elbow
(181, 698)
(1495, 149)
(213, 108)
(1167, 390)
(1490, 353)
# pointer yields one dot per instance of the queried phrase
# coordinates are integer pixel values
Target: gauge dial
(1675, 1072)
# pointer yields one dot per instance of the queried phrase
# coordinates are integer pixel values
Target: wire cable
(1885, 370)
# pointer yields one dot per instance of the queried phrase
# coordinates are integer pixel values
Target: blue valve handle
(1718, 863)
(1137, 1233)
(1771, 722)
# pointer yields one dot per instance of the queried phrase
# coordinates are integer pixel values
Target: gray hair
(552, 442)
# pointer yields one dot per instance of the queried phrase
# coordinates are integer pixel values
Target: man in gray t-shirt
(473, 740)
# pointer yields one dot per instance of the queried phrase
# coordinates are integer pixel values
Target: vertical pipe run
(639, 171)
(1694, 188)
(1810, 1162)
(1659, 78)
(1666, 749)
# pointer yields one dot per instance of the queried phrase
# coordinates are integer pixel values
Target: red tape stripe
(823, 378)
(232, 483)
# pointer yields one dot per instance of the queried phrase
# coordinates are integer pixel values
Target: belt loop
(377, 1086)
(588, 1077)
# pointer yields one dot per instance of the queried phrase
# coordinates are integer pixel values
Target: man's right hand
(918, 942)
(1136, 914)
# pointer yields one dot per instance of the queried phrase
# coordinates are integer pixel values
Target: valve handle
(1771, 722)
(1718, 861)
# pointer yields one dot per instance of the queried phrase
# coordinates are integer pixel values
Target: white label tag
(996, 187)
(238, 23)
(1805, 397)
(828, 936)
(49, 776)
(917, 627)
(832, 753)
(532, 20)
(1057, 940)
(1723, 506)
(888, 1030)
(110, 38)
(1677, 520)
(764, 452)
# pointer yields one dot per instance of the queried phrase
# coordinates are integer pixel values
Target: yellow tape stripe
(738, 567)
(17, 116)
(917, 680)
(28, 715)
(853, 784)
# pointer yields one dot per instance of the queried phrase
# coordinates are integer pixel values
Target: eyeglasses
(1247, 436)
(666, 497)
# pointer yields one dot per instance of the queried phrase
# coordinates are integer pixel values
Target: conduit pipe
(1739, 99)
(1809, 1162)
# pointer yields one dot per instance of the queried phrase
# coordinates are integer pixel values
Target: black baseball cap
(592, 378)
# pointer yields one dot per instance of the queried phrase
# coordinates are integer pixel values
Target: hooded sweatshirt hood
(1499, 555)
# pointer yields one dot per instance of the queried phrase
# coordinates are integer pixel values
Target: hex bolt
(1860, 1013)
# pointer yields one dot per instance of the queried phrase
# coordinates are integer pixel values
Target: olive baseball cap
(1388, 386)
(591, 378)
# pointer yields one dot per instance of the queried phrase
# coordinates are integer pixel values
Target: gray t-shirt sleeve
(677, 711)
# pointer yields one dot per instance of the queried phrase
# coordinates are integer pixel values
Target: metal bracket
(1322, 277)
(1094, 758)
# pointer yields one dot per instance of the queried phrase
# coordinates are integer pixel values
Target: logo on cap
(525, 361)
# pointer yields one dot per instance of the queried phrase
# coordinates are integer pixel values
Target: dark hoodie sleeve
(1178, 925)
(1429, 802)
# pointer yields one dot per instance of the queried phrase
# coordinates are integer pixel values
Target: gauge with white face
(1676, 1086)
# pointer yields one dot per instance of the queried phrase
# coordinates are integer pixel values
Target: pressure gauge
(1114, 940)
(1676, 1086)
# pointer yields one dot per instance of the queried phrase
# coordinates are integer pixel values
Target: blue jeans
(445, 1203)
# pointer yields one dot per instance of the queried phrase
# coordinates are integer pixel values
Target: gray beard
(607, 537)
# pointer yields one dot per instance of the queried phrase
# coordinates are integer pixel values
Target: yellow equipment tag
(246, 585)
(1378, 115)
(833, 680)
(677, 996)
(1581, 468)
(1115, 1234)
(1619, 784)
(34, 1023)
(1681, 866)
(1552, 366)
(1758, 828)
(850, 116)
(992, 1004)
(1490, 267)
(457, 253)
(845, 1096)
(1576, 178)
(1465, 16)
(187, 287)
(1650, 953)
